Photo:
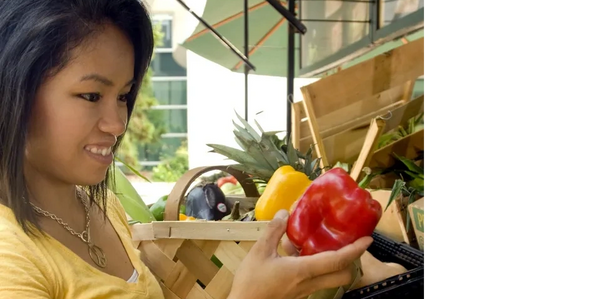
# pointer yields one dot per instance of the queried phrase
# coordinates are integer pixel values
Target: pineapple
(263, 154)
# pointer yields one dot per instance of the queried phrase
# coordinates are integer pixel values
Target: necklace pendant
(97, 255)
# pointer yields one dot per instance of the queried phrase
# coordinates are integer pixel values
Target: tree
(145, 125)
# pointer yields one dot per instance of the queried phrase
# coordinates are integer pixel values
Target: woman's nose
(113, 119)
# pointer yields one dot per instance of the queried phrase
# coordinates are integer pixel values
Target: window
(169, 83)
(165, 23)
(170, 92)
(164, 65)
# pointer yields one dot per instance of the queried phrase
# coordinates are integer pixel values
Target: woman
(70, 71)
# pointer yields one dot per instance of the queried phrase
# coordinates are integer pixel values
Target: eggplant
(207, 202)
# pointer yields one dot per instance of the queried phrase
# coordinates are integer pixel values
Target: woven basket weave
(179, 253)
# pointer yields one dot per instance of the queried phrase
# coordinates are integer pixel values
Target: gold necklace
(96, 253)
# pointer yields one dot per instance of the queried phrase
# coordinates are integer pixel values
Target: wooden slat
(314, 126)
(231, 255)
(198, 292)
(168, 294)
(180, 280)
(197, 262)
(246, 245)
(297, 123)
(169, 246)
(156, 260)
(375, 130)
(142, 232)
(345, 145)
(370, 77)
(220, 286)
(209, 230)
(363, 109)
(207, 247)
(407, 147)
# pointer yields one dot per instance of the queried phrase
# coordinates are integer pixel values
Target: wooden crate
(336, 111)
(180, 253)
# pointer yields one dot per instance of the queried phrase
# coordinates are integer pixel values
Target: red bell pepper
(332, 213)
(228, 179)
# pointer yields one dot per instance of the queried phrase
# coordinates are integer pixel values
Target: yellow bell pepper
(183, 217)
(284, 188)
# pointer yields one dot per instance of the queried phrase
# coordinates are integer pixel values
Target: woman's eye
(124, 97)
(92, 97)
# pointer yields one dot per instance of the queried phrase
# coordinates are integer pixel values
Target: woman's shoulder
(24, 269)
(7, 217)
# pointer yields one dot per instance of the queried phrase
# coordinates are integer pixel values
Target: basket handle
(177, 195)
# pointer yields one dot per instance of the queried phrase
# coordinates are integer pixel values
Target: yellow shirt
(42, 268)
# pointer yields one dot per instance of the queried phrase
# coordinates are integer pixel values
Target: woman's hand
(264, 274)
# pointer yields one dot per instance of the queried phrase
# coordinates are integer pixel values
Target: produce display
(328, 209)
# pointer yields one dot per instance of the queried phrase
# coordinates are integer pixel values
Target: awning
(267, 36)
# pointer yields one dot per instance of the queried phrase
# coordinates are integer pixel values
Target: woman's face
(79, 113)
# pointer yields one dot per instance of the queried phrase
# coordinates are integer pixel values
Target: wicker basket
(181, 254)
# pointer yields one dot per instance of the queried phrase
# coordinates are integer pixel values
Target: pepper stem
(235, 211)
(370, 175)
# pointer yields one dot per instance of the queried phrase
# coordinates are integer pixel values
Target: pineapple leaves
(248, 127)
(242, 132)
(263, 153)
(254, 170)
(292, 156)
(259, 128)
(232, 153)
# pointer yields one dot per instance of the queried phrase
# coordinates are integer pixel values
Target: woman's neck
(51, 194)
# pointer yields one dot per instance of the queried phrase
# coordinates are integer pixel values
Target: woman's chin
(92, 179)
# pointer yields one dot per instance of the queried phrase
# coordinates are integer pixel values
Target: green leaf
(410, 164)
(411, 199)
(402, 131)
(419, 118)
(130, 199)
(411, 125)
(242, 133)
(415, 175)
(239, 142)
(397, 189)
(259, 128)
(418, 185)
(251, 168)
(248, 127)
(133, 170)
(272, 151)
(233, 153)
(292, 155)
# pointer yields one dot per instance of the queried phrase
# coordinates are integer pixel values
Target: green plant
(145, 125)
(414, 124)
(171, 169)
(262, 154)
(130, 199)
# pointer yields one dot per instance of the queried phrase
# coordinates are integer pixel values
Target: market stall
(363, 126)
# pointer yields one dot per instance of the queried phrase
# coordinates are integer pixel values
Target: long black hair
(36, 40)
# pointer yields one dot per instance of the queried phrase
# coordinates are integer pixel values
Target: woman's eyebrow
(102, 79)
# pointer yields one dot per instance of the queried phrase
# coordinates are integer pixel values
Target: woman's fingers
(330, 280)
(334, 261)
(288, 247)
(267, 244)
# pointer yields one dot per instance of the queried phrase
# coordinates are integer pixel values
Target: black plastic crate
(409, 285)
(387, 250)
